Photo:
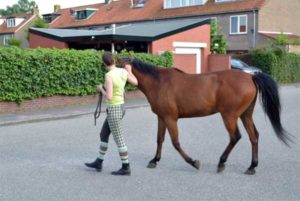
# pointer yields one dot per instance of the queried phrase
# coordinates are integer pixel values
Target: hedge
(31, 73)
(287, 70)
(284, 67)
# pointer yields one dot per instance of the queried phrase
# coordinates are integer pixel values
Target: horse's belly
(196, 113)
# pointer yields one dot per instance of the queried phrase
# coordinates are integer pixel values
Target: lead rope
(98, 108)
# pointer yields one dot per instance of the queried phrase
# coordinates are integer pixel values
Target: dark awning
(146, 31)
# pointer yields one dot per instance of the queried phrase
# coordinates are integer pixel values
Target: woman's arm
(108, 93)
(131, 77)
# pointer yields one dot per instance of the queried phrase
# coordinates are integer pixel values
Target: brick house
(15, 27)
(188, 39)
(246, 24)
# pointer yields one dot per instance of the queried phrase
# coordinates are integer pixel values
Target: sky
(47, 6)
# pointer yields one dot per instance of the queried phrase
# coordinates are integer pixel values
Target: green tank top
(119, 79)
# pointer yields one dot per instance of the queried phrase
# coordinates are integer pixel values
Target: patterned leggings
(112, 125)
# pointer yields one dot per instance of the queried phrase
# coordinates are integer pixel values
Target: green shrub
(284, 67)
(288, 69)
(264, 59)
(14, 42)
(218, 42)
(31, 73)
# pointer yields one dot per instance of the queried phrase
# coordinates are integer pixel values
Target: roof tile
(4, 29)
(121, 12)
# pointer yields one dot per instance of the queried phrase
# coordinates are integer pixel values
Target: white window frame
(182, 3)
(6, 37)
(11, 22)
(221, 1)
(238, 25)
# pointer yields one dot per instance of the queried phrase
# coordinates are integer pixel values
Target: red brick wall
(56, 101)
(199, 34)
(186, 62)
(218, 62)
(44, 42)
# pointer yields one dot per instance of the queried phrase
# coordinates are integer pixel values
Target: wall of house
(263, 40)
(239, 42)
(21, 33)
(44, 42)
(199, 34)
(1, 39)
(280, 16)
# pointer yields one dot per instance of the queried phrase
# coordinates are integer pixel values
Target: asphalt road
(44, 161)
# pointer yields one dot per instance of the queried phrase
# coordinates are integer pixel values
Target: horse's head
(123, 61)
(138, 66)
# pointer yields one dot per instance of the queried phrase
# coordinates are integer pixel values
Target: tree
(38, 23)
(218, 42)
(23, 6)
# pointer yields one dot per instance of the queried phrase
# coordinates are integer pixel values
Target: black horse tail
(270, 100)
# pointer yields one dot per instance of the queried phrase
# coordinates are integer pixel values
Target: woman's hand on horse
(128, 67)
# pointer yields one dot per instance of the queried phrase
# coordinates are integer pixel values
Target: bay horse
(173, 94)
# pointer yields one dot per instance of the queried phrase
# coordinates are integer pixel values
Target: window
(6, 38)
(84, 14)
(238, 24)
(221, 1)
(140, 4)
(49, 18)
(11, 22)
(182, 3)
(80, 15)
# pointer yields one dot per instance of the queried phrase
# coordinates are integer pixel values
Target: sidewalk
(62, 112)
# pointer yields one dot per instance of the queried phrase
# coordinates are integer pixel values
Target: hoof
(151, 165)
(221, 168)
(196, 164)
(250, 172)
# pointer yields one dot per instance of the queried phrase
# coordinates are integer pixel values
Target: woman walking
(115, 81)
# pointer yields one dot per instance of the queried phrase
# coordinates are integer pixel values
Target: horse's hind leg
(253, 135)
(234, 135)
(160, 139)
(173, 130)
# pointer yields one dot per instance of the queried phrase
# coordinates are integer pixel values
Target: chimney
(56, 8)
(35, 11)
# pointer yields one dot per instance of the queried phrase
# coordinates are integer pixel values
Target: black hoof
(221, 168)
(196, 164)
(151, 165)
(250, 172)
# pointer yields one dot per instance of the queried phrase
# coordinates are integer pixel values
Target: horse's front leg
(160, 139)
(173, 130)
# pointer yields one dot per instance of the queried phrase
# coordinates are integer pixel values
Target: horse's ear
(117, 58)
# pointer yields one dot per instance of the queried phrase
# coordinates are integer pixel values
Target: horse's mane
(145, 68)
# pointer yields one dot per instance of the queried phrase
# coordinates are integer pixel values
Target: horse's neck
(146, 83)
